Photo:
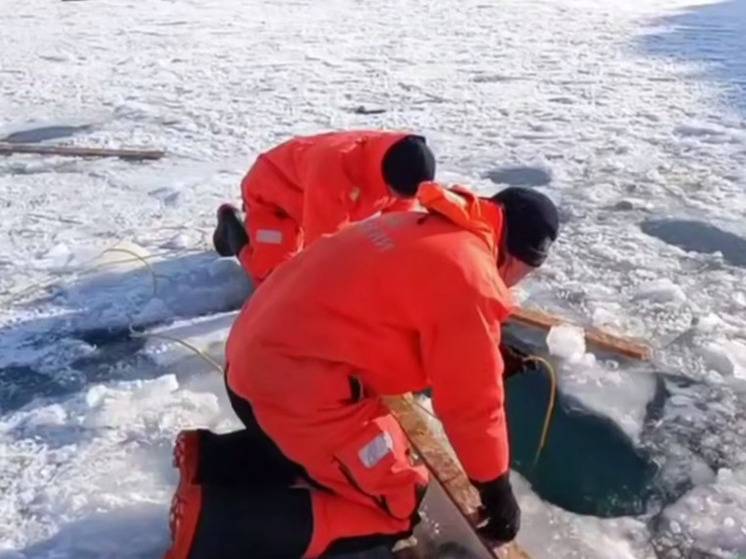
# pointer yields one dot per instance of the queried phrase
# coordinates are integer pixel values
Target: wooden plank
(446, 470)
(80, 151)
(595, 337)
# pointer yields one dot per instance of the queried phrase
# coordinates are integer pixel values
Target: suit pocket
(376, 463)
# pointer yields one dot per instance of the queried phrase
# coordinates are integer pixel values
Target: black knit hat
(407, 163)
(532, 223)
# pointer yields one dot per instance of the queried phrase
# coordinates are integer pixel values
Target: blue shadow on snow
(713, 35)
(136, 532)
(81, 347)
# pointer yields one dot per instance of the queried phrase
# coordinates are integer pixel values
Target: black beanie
(406, 164)
(532, 223)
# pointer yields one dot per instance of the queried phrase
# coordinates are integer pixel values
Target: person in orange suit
(311, 186)
(391, 305)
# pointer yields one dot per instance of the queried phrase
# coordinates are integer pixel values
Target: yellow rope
(34, 287)
(139, 258)
(204, 355)
(550, 405)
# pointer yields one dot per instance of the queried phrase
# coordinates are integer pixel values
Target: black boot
(230, 235)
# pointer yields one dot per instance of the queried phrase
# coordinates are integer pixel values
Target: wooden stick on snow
(603, 340)
(79, 151)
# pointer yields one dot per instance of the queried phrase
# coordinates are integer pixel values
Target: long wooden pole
(448, 473)
(603, 340)
(80, 151)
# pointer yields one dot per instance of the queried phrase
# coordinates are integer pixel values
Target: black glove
(503, 513)
(230, 235)
(516, 359)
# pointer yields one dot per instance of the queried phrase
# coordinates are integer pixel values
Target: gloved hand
(516, 359)
(503, 512)
(230, 235)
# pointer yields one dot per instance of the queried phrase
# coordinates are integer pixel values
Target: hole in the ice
(35, 135)
(520, 176)
(114, 349)
(695, 236)
(589, 465)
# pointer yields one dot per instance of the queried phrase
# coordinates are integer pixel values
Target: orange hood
(465, 209)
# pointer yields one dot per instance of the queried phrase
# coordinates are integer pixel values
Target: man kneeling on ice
(311, 186)
(395, 304)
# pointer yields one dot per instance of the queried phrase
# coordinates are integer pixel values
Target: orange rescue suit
(391, 305)
(311, 186)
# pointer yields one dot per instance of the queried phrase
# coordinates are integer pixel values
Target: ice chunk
(727, 357)
(161, 386)
(567, 342)
(712, 515)
(168, 196)
(708, 323)
(58, 258)
(180, 241)
(48, 416)
(96, 395)
(662, 290)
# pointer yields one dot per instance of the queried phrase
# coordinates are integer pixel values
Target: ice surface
(601, 387)
(98, 459)
(727, 357)
(629, 114)
(662, 290)
(713, 513)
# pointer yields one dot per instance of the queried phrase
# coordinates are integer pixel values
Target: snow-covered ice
(631, 115)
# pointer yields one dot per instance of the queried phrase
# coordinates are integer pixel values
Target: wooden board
(79, 151)
(445, 470)
(594, 337)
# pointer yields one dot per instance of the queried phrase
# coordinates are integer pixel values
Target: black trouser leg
(258, 514)
(247, 458)
(240, 459)
(271, 523)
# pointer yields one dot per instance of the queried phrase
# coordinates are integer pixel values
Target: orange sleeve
(401, 205)
(461, 355)
(326, 194)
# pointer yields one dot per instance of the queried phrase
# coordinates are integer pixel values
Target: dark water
(588, 466)
(696, 236)
(21, 384)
